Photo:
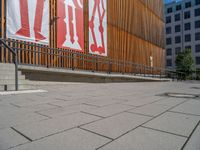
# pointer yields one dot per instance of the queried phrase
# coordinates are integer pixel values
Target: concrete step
(4, 72)
(7, 64)
(11, 77)
(7, 67)
(11, 87)
(7, 78)
(12, 81)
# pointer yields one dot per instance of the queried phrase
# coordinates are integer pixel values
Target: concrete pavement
(113, 116)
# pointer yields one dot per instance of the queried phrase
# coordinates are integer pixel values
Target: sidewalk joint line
(164, 131)
(189, 114)
(96, 133)
(92, 114)
(188, 139)
(22, 134)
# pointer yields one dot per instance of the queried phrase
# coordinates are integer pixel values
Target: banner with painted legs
(70, 31)
(98, 27)
(28, 20)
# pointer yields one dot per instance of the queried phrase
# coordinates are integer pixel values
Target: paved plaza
(113, 116)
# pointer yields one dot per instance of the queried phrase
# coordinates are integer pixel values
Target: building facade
(132, 31)
(182, 30)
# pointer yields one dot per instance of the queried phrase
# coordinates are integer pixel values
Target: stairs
(7, 78)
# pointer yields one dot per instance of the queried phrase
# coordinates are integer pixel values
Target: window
(188, 4)
(177, 39)
(197, 48)
(169, 10)
(177, 17)
(197, 2)
(197, 36)
(197, 60)
(177, 50)
(178, 28)
(188, 47)
(169, 52)
(168, 30)
(197, 24)
(178, 7)
(169, 62)
(169, 41)
(197, 12)
(168, 19)
(187, 38)
(187, 26)
(187, 15)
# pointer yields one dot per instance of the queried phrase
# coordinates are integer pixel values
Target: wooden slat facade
(135, 33)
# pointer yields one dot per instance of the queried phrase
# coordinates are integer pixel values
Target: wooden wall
(135, 32)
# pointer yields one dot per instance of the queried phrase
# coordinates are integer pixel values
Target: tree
(185, 63)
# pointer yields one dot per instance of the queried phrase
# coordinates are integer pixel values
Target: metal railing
(15, 60)
(40, 55)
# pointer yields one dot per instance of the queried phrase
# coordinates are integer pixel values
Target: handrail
(110, 65)
(14, 52)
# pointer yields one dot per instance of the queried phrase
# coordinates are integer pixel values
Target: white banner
(98, 27)
(28, 20)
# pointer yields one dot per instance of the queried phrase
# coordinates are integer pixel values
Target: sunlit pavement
(118, 116)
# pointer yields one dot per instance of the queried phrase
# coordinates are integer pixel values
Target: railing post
(110, 67)
(161, 73)
(15, 54)
(16, 70)
(72, 61)
(97, 68)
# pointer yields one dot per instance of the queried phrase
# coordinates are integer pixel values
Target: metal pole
(16, 71)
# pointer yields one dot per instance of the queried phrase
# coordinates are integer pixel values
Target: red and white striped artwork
(70, 31)
(98, 27)
(28, 20)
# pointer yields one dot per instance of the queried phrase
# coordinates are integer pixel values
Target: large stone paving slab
(140, 101)
(194, 142)
(9, 138)
(48, 127)
(110, 110)
(38, 107)
(66, 110)
(18, 119)
(150, 110)
(65, 103)
(146, 139)
(189, 107)
(33, 103)
(171, 102)
(75, 139)
(116, 126)
(176, 123)
(101, 102)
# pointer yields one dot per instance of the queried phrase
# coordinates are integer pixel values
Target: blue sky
(167, 1)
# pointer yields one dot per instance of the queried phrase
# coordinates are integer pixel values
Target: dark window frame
(187, 14)
(187, 26)
(177, 39)
(188, 38)
(169, 52)
(188, 4)
(197, 48)
(178, 7)
(168, 19)
(177, 28)
(177, 17)
(197, 36)
(197, 12)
